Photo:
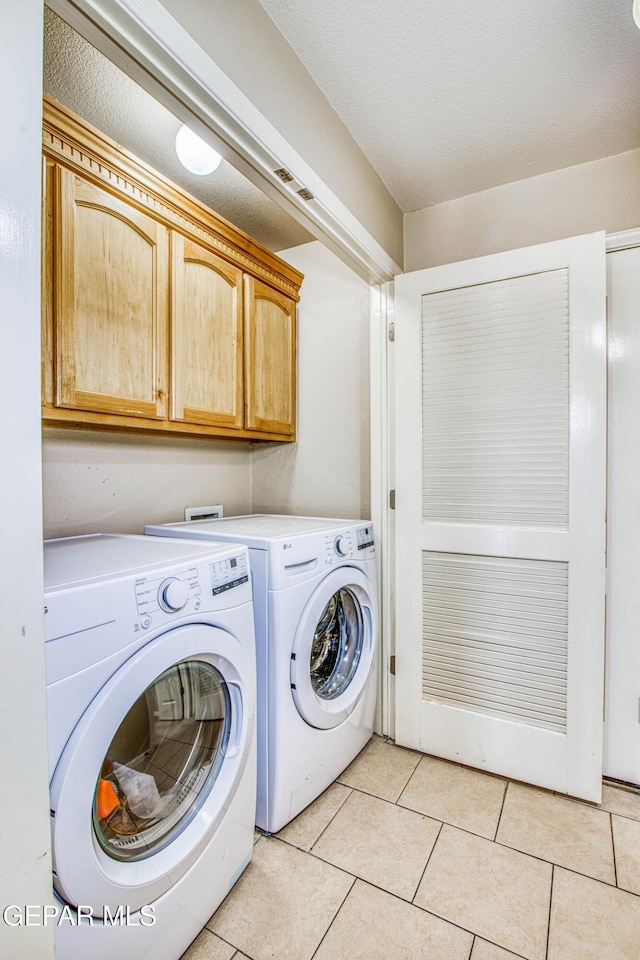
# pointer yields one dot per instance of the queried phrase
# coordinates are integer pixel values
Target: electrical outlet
(203, 513)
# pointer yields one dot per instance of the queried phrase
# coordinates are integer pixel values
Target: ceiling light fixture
(194, 154)
(636, 12)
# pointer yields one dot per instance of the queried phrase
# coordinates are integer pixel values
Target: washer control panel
(337, 546)
(350, 543)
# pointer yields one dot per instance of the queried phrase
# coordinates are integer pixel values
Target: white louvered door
(500, 512)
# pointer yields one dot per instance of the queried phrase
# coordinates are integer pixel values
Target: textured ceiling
(450, 98)
(85, 81)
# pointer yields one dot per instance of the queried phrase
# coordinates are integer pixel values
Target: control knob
(173, 595)
(341, 546)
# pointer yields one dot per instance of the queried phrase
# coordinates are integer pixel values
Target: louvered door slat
(481, 367)
(483, 675)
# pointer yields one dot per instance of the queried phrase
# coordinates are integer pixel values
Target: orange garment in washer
(106, 799)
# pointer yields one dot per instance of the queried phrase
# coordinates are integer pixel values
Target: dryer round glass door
(333, 648)
(152, 768)
(162, 761)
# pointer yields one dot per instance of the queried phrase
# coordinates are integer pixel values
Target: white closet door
(500, 512)
(622, 729)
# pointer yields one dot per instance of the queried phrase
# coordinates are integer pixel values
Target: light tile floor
(411, 858)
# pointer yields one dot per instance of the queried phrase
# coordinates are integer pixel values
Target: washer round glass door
(337, 645)
(333, 648)
(162, 761)
(151, 768)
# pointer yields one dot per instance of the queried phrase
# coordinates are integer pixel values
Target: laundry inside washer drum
(337, 645)
(163, 761)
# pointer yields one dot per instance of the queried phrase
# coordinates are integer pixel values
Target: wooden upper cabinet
(158, 315)
(270, 359)
(110, 302)
(206, 341)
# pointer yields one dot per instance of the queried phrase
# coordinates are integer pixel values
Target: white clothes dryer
(315, 604)
(150, 669)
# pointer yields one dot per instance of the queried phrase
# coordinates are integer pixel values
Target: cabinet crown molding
(73, 142)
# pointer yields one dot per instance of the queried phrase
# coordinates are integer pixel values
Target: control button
(173, 595)
(146, 621)
(341, 546)
(196, 603)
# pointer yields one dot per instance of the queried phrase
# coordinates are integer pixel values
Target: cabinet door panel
(111, 304)
(270, 359)
(206, 346)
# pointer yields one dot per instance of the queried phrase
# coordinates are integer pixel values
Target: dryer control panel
(364, 537)
(167, 594)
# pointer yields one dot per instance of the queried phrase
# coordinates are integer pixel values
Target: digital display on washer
(365, 537)
(227, 574)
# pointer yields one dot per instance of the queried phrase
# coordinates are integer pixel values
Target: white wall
(115, 483)
(601, 195)
(25, 874)
(326, 473)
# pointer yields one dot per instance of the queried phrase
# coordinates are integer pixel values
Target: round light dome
(194, 154)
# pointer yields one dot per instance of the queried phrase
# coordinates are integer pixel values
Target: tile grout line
(613, 850)
(222, 940)
(415, 892)
(408, 781)
(553, 875)
(369, 883)
(327, 825)
(504, 800)
(333, 919)
(217, 935)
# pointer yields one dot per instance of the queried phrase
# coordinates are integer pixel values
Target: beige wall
(326, 473)
(242, 39)
(115, 483)
(601, 195)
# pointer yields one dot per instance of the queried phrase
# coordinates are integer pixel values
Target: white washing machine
(315, 603)
(150, 665)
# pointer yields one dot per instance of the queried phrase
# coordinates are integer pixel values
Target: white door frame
(382, 483)
(623, 240)
(26, 854)
(620, 715)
